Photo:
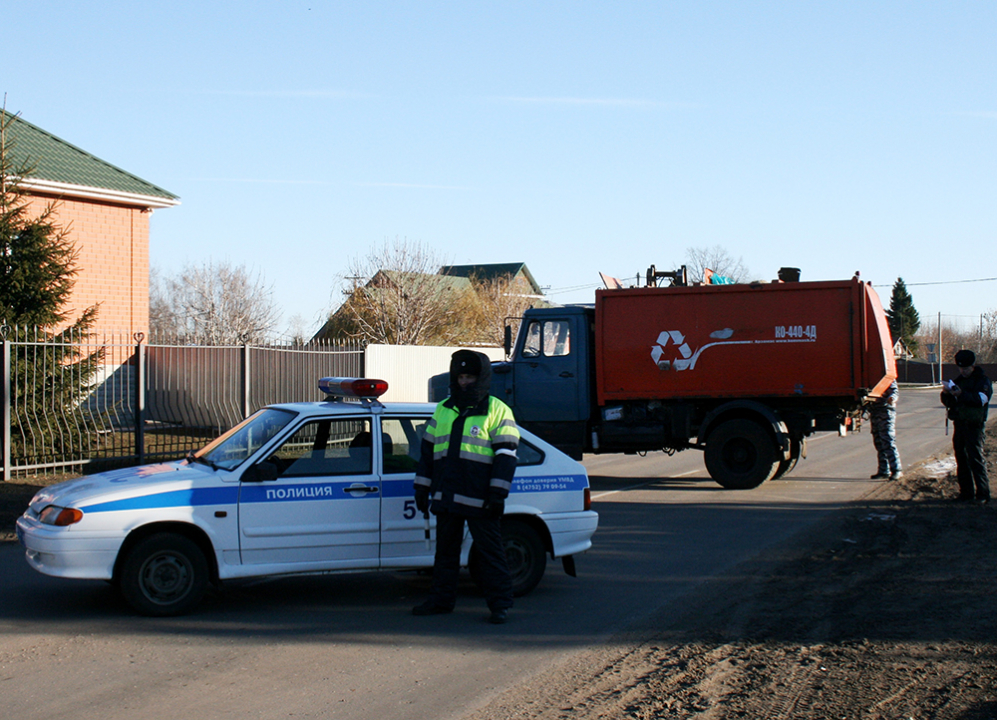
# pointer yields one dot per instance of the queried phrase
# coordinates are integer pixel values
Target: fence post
(140, 397)
(246, 383)
(5, 472)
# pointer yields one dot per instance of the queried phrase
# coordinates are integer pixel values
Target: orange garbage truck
(743, 372)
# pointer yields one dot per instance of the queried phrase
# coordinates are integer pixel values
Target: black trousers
(967, 442)
(496, 582)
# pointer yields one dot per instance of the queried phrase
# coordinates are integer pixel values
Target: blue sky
(576, 137)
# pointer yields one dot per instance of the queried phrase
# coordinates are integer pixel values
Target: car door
(403, 528)
(322, 510)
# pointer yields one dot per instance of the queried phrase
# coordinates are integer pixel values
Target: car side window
(325, 447)
(527, 455)
(401, 439)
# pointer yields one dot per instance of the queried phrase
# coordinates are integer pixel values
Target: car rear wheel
(164, 574)
(525, 552)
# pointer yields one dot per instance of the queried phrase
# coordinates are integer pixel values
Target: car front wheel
(164, 574)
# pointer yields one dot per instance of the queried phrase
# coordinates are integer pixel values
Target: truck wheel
(526, 554)
(164, 574)
(740, 455)
(786, 466)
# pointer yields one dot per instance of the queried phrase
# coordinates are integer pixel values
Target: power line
(571, 289)
(942, 282)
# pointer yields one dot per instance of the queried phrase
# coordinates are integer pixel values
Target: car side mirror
(261, 472)
(507, 340)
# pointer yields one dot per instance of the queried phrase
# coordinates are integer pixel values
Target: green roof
(442, 283)
(492, 271)
(56, 161)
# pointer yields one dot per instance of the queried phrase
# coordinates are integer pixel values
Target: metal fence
(76, 401)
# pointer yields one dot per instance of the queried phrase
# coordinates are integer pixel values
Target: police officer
(464, 475)
(967, 399)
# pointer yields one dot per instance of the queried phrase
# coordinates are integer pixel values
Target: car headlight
(55, 515)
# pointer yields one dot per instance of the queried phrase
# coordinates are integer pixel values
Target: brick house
(106, 211)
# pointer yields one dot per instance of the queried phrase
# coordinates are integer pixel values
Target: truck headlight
(55, 515)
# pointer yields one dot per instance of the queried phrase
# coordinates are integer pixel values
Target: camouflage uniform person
(883, 415)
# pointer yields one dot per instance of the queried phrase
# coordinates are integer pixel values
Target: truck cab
(547, 379)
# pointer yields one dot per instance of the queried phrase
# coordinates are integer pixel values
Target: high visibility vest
(471, 457)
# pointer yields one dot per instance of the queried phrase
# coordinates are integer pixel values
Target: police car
(295, 488)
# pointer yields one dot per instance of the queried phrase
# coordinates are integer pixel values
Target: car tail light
(588, 499)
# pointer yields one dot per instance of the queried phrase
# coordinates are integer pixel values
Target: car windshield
(232, 448)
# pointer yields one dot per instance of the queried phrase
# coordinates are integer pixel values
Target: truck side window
(531, 347)
(551, 338)
(557, 338)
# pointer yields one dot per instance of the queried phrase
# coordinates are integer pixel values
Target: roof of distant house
(492, 271)
(61, 168)
(440, 283)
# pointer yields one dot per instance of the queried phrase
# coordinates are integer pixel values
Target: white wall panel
(407, 368)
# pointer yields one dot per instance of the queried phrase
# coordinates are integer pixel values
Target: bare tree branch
(212, 304)
(716, 259)
(394, 295)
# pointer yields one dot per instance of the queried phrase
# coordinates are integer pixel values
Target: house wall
(112, 264)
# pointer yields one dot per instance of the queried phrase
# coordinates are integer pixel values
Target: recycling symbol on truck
(688, 356)
(678, 340)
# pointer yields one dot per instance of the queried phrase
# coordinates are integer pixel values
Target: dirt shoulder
(883, 611)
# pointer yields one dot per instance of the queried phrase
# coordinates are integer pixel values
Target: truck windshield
(230, 449)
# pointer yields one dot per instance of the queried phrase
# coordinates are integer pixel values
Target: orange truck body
(761, 340)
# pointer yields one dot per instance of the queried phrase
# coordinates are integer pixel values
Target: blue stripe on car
(191, 497)
(195, 497)
(544, 483)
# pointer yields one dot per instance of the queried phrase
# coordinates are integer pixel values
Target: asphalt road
(346, 646)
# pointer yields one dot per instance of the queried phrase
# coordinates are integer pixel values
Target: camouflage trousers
(884, 438)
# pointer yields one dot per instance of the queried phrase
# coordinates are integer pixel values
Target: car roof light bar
(359, 388)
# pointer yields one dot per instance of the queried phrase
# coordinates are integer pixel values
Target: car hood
(128, 482)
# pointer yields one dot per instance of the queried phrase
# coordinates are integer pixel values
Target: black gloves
(495, 508)
(422, 500)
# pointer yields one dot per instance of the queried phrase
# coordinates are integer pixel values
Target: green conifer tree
(49, 374)
(902, 316)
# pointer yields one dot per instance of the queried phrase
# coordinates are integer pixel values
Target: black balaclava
(470, 363)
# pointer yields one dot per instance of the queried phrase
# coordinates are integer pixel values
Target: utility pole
(939, 346)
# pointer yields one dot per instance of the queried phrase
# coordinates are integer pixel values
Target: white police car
(295, 488)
